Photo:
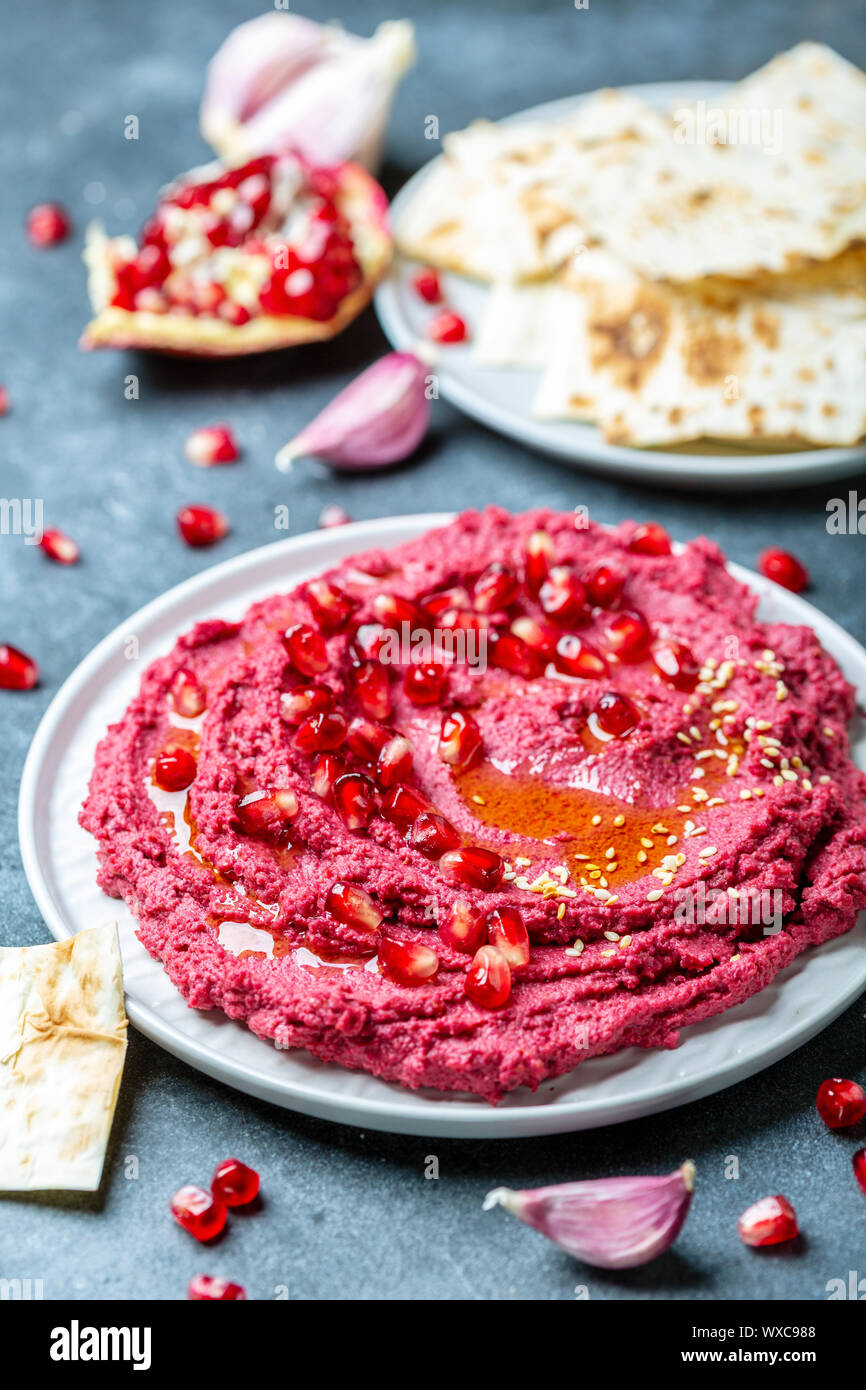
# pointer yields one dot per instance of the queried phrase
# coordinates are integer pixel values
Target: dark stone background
(349, 1215)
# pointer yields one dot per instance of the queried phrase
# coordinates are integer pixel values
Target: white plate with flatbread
(60, 861)
(502, 397)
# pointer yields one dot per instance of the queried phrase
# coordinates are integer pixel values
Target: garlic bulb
(614, 1223)
(379, 418)
(284, 82)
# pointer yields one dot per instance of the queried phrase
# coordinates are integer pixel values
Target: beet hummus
(520, 792)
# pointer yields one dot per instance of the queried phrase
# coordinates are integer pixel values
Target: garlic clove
(613, 1223)
(283, 82)
(379, 418)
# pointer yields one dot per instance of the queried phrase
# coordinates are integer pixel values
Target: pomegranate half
(240, 259)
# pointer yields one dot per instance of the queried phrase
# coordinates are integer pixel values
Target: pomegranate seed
(616, 715)
(425, 683)
(562, 596)
(858, 1162)
(431, 835)
(306, 649)
(200, 525)
(267, 814)
(784, 569)
(17, 670)
(59, 547)
(464, 928)
(495, 588)
(475, 867)
(211, 1288)
(332, 607)
(574, 657)
(355, 800)
(401, 805)
(628, 636)
(322, 732)
(676, 664)
(406, 962)
(425, 282)
(232, 313)
(211, 444)
(367, 642)
(187, 694)
(392, 611)
(174, 769)
(506, 931)
(445, 600)
(198, 1211)
(488, 980)
(366, 739)
(394, 763)
(841, 1103)
(234, 1183)
(541, 636)
(768, 1222)
(509, 653)
(447, 327)
(604, 585)
(460, 741)
(332, 516)
(298, 704)
(4, 401)
(352, 905)
(325, 773)
(47, 224)
(540, 554)
(371, 689)
(650, 539)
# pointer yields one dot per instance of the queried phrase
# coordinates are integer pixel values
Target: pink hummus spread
(636, 800)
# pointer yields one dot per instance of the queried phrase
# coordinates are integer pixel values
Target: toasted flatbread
(62, 1047)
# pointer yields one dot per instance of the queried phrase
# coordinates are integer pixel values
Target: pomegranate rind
(359, 198)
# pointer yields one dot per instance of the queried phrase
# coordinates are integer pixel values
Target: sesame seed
(610, 852)
(745, 794)
(619, 820)
(560, 911)
(479, 800)
(707, 852)
(654, 895)
(624, 942)
(641, 856)
(611, 936)
(596, 820)
(575, 949)
(647, 844)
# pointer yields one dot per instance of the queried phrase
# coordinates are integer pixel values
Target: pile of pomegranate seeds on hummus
(463, 814)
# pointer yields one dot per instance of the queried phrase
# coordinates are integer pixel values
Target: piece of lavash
(62, 1048)
(648, 322)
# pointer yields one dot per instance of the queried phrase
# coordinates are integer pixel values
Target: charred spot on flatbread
(630, 343)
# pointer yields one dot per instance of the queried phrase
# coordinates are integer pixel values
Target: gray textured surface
(348, 1215)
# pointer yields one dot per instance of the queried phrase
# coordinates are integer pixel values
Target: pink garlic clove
(613, 1223)
(281, 81)
(379, 418)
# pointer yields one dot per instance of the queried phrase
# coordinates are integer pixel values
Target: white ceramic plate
(502, 397)
(60, 862)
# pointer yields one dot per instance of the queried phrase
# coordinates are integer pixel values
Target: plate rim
(658, 467)
(405, 1111)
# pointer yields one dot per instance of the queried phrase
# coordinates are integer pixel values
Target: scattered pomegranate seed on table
(784, 569)
(200, 525)
(858, 1162)
(198, 1212)
(333, 515)
(425, 282)
(235, 1183)
(211, 1288)
(59, 547)
(18, 671)
(47, 223)
(4, 401)
(447, 327)
(840, 1103)
(770, 1221)
(211, 444)
(174, 769)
